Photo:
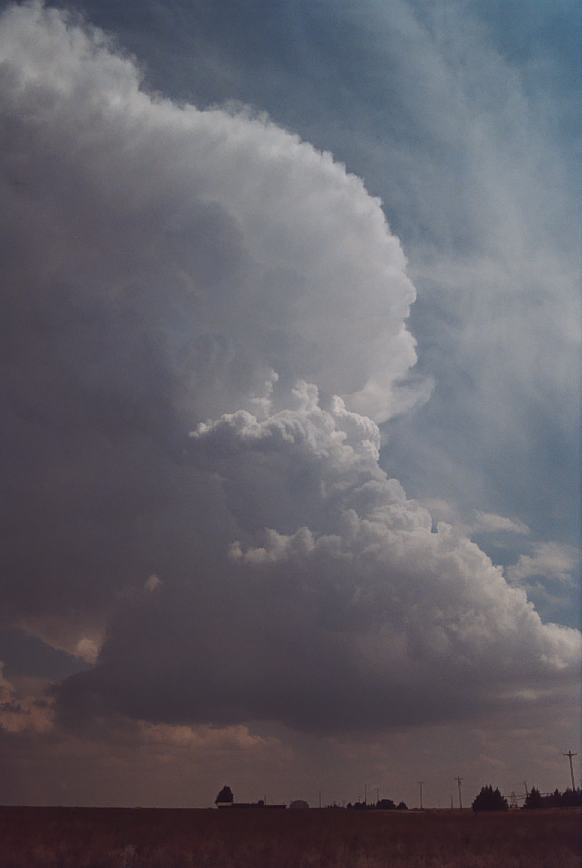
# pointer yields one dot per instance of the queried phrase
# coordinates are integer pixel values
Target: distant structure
(298, 805)
(224, 798)
(249, 806)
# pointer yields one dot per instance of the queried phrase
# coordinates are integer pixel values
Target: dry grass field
(146, 838)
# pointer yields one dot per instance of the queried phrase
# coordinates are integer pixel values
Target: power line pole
(526, 789)
(365, 794)
(570, 756)
(459, 782)
(420, 783)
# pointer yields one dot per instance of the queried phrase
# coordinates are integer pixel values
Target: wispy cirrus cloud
(550, 561)
(489, 522)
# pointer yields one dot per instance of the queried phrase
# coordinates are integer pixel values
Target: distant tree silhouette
(555, 800)
(568, 799)
(385, 805)
(490, 799)
(534, 799)
(571, 798)
(402, 806)
(225, 796)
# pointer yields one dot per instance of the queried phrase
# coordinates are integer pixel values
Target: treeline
(568, 799)
(380, 805)
(490, 799)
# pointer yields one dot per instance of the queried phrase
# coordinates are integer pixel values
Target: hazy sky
(291, 375)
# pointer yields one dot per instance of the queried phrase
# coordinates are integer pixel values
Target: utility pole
(365, 794)
(377, 794)
(459, 782)
(526, 789)
(420, 783)
(570, 756)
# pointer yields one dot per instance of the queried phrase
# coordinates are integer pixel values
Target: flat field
(328, 838)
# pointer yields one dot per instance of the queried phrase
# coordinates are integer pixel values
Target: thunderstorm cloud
(204, 325)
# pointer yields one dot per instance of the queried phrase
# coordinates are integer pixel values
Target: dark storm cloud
(187, 292)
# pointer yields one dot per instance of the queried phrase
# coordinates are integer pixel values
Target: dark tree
(385, 805)
(534, 799)
(490, 799)
(571, 798)
(555, 800)
(402, 806)
(225, 796)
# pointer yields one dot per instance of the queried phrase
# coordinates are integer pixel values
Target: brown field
(148, 838)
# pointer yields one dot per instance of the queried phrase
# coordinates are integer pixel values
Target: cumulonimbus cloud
(211, 321)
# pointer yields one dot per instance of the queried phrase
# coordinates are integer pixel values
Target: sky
(291, 380)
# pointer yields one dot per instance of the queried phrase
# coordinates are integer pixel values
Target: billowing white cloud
(407, 603)
(251, 250)
(361, 617)
(211, 323)
(162, 265)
